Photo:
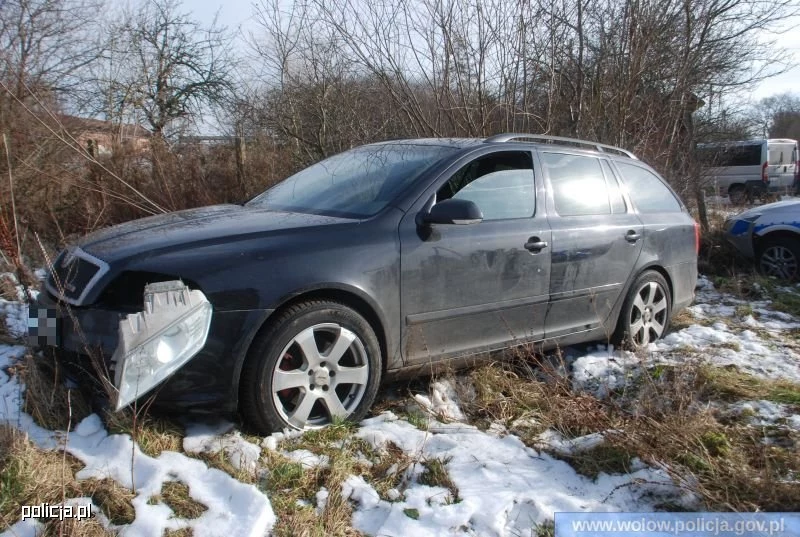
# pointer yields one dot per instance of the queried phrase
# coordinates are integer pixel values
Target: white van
(749, 168)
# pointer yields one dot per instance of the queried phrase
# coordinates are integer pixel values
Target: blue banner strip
(677, 524)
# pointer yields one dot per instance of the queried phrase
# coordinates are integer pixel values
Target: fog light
(158, 341)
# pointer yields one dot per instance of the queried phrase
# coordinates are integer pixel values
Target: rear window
(730, 155)
(647, 191)
(781, 154)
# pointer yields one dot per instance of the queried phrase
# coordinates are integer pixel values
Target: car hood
(777, 207)
(194, 227)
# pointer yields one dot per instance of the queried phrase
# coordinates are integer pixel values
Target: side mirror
(453, 211)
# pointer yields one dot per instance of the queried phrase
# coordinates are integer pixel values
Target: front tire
(646, 311)
(780, 258)
(317, 362)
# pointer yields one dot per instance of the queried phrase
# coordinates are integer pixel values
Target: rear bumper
(207, 384)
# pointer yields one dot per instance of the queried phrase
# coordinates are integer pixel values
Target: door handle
(535, 245)
(631, 236)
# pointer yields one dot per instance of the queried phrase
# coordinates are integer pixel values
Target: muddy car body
(387, 260)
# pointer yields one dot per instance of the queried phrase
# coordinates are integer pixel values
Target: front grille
(73, 275)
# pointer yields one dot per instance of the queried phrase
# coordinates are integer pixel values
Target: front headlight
(156, 342)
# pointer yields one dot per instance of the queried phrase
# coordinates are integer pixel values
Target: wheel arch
(736, 186)
(349, 297)
(346, 296)
(616, 327)
(773, 233)
(661, 270)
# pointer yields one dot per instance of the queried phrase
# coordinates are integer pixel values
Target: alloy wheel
(779, 261)
(322, 375)
(648, 317)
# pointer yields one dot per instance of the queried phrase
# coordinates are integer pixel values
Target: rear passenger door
(596, 238)
(669, 234)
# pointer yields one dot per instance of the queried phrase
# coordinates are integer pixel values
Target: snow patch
(205, 438)
(504, 487)
(442, 401)
(307, 459)
(234, 508)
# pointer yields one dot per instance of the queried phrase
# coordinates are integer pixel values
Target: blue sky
(232, 13)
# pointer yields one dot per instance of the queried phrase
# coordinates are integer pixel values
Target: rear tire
(318, 361)
(780, 258)
(646, 311)
(737, 194)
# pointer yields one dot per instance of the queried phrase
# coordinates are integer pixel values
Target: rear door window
(579, 186)
(647, 191)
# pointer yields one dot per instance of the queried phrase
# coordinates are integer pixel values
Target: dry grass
(220, 461)
(8, 284)
(112, 498)
(175, 495)
(605, 458)
(183, 532)
(532, 390)
(662, 417)
(389, 469)
(5, 336)
(726, 465)
(153, 434)
(682, 320)
(435, 475)
(76, 528)
(47, 400)
(730, 384)
(30, 476)
(287, 482)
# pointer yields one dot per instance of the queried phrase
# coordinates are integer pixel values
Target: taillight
(697, 238)
(764, 173)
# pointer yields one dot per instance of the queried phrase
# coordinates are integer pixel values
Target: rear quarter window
(647, 191)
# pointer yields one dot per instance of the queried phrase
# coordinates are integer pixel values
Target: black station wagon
(390, 259)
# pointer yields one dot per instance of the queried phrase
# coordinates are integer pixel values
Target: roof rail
(603, 148)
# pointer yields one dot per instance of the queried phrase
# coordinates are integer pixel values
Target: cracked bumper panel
(740, 234)
(207, 384)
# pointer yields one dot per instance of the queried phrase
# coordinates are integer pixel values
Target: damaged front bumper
(739, 233)
(156, 342)
(141, 350)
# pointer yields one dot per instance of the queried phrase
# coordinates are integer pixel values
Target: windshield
(354, 184)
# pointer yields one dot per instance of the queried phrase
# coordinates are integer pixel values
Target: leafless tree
(46, 43)
(777, 116)
(165, 66)
(641, 74)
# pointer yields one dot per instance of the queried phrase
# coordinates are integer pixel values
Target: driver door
(482, 286)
